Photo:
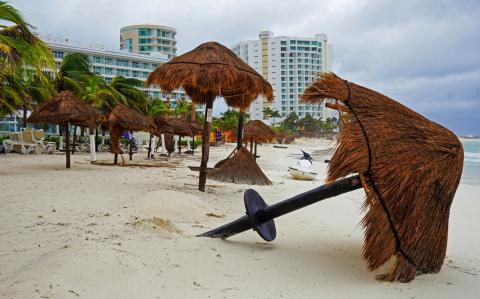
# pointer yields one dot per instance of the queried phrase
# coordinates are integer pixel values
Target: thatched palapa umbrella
(211, 70)
(411, 168)
(240, 166)
(257, 131)
(122, 119)
(65, 109)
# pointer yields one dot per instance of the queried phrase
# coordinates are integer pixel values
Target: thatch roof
(65, 108)
(180, 126)
(163, 126)
(196, 128)
(411, 166)
(241, 168)
(257, 130)
(129, 120)
(212, 70)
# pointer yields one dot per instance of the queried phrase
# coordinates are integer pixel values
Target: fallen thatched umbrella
(65, 109)
(409, 167)
(257, 131)
(211, 70)
(122, 119)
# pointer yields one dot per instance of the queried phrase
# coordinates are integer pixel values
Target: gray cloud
(423, 53)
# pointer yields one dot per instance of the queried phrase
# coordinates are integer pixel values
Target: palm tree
(73, 74)
(20, 49)
(182, 109)
(274, 114)
(128, 92)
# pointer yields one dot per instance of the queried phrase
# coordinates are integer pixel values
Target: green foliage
(228, 120)
(156, 107)
(21, 53)
(292, 123)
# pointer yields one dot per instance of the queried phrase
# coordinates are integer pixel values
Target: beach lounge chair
(17, 145)
(48, 147)
(30, 143)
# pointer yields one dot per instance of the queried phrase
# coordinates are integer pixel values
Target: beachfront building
(289, 63)
(108, 64)
(149, 40)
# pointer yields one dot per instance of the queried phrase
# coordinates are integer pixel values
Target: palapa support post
(205, 145)
(240, 129)
(96, 138)
(67, 145)
(150, 146)
(115, 159)
(255, 151)
(74, 139)
(260, 215)
(179, 144)
(92, 143)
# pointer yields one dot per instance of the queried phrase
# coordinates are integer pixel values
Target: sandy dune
(120, 232)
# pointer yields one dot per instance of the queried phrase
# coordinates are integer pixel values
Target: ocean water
(471, 165)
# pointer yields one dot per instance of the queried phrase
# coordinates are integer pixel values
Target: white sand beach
(118, 232)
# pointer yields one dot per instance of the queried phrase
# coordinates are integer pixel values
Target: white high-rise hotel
(289, 64)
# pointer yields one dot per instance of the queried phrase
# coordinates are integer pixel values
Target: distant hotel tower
(149, 40)
(289, 64)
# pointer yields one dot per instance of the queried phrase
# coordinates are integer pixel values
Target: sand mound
(157, 224)
(170, 204)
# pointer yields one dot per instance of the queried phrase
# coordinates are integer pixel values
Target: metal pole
(268, 213)
(205, 145)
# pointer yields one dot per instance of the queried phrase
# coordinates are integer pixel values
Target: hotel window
(145, 65)
(284, 90)
(292, 42)
(97, 59)
(283, 78)
(144, 32)
(291, 78)
(108, 71)
(135, 64)
(292, 48)
(282, 54)
(58, 54)
(121, 62)
(283, 42)
(155, 94)
(108, 60)
(144, 74)
(283, 96)
(291, 97)
(136, 74)
(283, 49)
(97, 69)
(283, 84)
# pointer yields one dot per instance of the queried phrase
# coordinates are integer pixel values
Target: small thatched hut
(181, 127)
(65, 109)
(410, 167)
(122, 119)
(209, 71)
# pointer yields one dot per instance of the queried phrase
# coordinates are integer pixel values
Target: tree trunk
(205, 145)
(194, 115)
(240, 129)
(67, 145)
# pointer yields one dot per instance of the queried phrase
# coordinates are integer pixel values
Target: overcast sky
(425, 54)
